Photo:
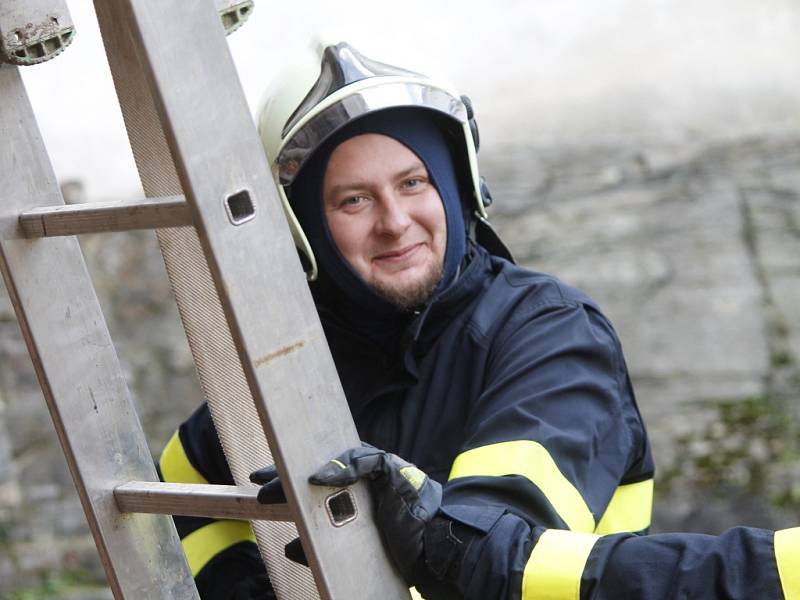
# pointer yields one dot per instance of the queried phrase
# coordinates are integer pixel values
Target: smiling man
(504, 446)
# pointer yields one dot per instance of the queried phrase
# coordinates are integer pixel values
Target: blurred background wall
(647, 151)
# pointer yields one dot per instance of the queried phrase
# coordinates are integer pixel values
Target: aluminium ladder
(200, 159)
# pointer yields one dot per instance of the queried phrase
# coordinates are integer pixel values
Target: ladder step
(197, 500)
(102, 217)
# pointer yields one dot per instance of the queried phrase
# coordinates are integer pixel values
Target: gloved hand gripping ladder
(173, 74)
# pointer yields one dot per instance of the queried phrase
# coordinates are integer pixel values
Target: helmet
(304, 107)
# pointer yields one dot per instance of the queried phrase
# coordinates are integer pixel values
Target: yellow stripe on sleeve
(630, 509)
(205, 543)
(532, 461)
(175, 465)
(787, 555)
(556, 565)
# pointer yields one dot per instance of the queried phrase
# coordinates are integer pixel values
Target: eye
(413, 183)
(352, 202)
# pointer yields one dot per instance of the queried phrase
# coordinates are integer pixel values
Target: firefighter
(503, 444)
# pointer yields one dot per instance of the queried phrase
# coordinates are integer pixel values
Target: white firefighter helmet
(311, 101)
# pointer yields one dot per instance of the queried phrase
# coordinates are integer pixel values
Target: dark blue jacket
(511, 390)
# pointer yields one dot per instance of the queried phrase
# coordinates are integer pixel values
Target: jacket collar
(410, 336)
(449, 304)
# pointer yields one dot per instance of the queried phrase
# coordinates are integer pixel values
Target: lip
(399, 255)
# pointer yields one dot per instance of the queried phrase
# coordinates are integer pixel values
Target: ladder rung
(197, 500)
(99, 217)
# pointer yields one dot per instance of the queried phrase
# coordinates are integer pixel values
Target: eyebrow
(339, 189)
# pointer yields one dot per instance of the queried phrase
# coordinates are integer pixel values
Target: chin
(408, 290)
(402, 280)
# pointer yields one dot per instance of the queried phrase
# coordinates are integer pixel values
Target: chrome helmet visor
(319, 127)
(341, 65)
(370, 86)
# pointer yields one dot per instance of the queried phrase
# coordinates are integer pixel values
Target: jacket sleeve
(221, 553)
(555, 466)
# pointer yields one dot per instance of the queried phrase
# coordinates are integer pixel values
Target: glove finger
(264, 475)
(334, 473)
(272, 493)
(294, 551)
(350, 466)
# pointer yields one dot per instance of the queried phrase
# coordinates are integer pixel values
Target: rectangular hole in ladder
(230, 19)
(240, 207)
(52, 44)
(37, 50)
(341, 507)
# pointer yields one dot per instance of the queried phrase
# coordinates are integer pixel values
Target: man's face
(386, 217)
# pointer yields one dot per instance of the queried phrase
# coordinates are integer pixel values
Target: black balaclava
(417, 129)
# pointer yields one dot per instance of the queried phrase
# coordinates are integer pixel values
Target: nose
(394, 219)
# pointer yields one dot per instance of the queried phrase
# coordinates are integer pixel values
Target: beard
(408, 297)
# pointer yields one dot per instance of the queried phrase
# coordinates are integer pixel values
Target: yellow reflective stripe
(415, 595)
(630, 509)
(175, 466)
(531, 460)
(556, 564)
(203, 544)
(787, 555)
(414, 476)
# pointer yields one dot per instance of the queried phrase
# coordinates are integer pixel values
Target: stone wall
(690, 248)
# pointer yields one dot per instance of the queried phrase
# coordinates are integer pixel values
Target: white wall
(547, 71)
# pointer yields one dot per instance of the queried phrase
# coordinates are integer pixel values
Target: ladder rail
(224, 175)
(216, 360)
(78, 369)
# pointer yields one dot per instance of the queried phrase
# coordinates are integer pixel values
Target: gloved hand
(271, 492)
(406, 499)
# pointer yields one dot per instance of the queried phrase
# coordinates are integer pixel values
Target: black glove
(406, 499)
(271, 491)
